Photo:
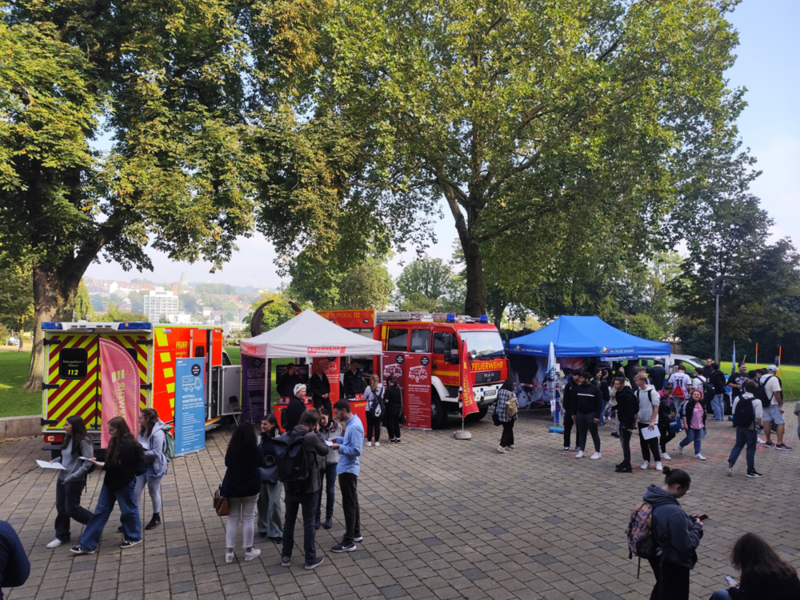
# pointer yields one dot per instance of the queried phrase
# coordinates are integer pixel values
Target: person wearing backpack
(302, 493)
(375, 408)
(676, 534)
(717, 379)
(647, 418)
(154, 442)
(769, 392)
(680, 379)
(747, 415)
(627, 410)
(241, 486)
(693, 413)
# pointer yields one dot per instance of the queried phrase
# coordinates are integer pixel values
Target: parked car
(12, 341)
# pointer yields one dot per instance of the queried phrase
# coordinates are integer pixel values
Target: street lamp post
(717, 286)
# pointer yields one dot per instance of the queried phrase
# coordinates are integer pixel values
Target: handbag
(402, 418)
(221, 503)
(511, 406)
(496, 419)
(269, 472)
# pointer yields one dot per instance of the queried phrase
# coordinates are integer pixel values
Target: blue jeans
(749, 437)
(329, 473)
(293, 502)
(720, 595)
(131, 525)
(603, 413)
(718, 406)
(692, 435)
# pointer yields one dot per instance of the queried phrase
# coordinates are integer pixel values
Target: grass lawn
(790, 377)
(14, 401)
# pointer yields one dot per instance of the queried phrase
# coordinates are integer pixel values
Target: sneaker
(358, 538)
(754, 474)
(397, 441)
(377, 445)
(594, 456)
(328, 523)
(229, 557)
(665, 456)
(760, 441)
(729, 470)
(579, 454)
(130, 543)
(511, 447)
(54, 544)
(340, 547)
(501, 450)
(782, 447)
(645, 466)
(614, 434)
(286, 561)
(566, 448)
(369, 443)
(155, 521)
(699, 456)
(254, 553)
(659, 467)
(624, 469)
(769, 444)
(81, 550)
(680, 449)
(314, 563)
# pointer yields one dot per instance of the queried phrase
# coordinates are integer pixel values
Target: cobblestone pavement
(441, 518)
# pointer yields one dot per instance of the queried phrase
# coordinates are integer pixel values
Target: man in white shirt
(681, 380)
(773, 412)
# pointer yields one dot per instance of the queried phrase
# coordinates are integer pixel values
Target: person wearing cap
(773, 412)
(293, 412)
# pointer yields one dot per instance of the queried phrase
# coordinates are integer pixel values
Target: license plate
(489, 393)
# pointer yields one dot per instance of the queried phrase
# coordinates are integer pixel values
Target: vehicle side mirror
(450, 357)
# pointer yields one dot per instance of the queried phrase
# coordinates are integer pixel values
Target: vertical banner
(254, 371)
(468, 404)
(119, 387)
(331, 366)
(190, 405)
(417, 396)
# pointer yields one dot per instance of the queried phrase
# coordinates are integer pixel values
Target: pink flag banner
(119, 387)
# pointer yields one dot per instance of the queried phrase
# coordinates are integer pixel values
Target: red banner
(119, 387)
(468, 403)
(393, 365)
(417, 396)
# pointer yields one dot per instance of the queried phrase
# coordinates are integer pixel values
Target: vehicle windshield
(486, 343)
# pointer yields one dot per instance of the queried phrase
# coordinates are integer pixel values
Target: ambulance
(72, 383)
(443, 336)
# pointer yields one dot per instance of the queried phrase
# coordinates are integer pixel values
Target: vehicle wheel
(483, 409)
(438, 414)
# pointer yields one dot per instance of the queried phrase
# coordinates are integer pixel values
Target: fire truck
(441, 335)
(72, 384)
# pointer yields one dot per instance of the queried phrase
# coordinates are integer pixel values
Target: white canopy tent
(309, 335)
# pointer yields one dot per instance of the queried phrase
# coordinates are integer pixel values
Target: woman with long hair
(764, 574)
(507, 421)
(154, 442)
(693, 413)
(393, 400)
(124, 460)
(72, 480)
(270, 523)
(241, 486)
(374, 397)
(683, 531)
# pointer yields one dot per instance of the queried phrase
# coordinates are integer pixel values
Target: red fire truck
(441, 335)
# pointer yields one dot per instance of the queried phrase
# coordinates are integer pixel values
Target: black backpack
(761, 392)
(290, 457)
(709, 391)
(744, 414)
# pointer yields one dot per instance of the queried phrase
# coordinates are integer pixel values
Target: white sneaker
(680, 449)
(54, 544)
(511, 447)
(254, 553)
(579, 454)
(645, 466)
(665, 456)
(369, 443)
(377, 444)
(595, 456)
(699, 456)
(658, 466)
(760, 441)
(501, 450)
(229, 557)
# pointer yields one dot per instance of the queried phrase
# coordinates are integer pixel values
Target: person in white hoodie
(154, 442)
(647, 419)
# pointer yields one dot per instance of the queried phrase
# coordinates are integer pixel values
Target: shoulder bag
(221, 503)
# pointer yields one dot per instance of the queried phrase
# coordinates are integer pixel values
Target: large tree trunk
(475, 303)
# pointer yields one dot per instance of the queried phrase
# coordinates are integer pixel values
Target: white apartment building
(160, 303)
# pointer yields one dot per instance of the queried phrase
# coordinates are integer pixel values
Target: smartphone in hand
(731, 581)
(703, 517)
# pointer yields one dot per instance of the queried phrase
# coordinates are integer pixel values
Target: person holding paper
(648, 414)
(72, 479)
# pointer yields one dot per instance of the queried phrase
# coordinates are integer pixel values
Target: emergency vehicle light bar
(140, 325)
(51, 325)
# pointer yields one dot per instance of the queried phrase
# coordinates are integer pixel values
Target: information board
(417, 389)
(190, 405)
(254, 371)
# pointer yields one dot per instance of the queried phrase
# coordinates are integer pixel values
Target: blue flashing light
(51, 325)
(451, 318)
(141, 325)
(484, 319)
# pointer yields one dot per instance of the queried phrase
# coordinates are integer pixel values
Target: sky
(766, 66)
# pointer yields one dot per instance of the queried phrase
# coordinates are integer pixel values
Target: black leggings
(568, 423)
(393, 426)
(649, 446)
(672, 581)
(373, 427)
(666, 437)
(507, 439)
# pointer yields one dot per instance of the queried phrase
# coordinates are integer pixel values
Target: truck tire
(438, 414)
(483, 409)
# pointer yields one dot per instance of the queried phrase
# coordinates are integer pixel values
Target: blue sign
(190, 405)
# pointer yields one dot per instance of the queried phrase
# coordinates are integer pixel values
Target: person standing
(647, 418)
(270, 524)
(154, 443)
(747, 415)
(297, 406)
(303, 494)
(375, 409)
(320, 389)
(657, 375)
(708, 368)
(683, 533)
(353, 381)
(681, 380)
(588, 404)
(667, 409)
(717, 379)
(612, 395)
(394, 406)
(288, 381)
(241, 485)
(568, 404)
(693, 413)
(601, 381)
(330, 430)
(736, 382)
(72, 480)
(501, 409)
(349, 447)
(124, 461)
(627, 410)
(773, 412)
(15, 568)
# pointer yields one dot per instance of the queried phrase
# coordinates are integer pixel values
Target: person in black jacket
(124, 461)
(320, 389)
(270, 523)
(588, 404)
(287, 382)
(15, 568)
(657, 375)
(295, 409)
(627, 409)
(764, 573)
(568, 405)
(353, 381)
(717, 379)
(241, 485)
(393, 401)
(601, 381)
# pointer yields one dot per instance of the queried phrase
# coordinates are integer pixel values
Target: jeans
(585, 423)
(648, 446)
(665, 437)
(269, 509)
(308, 503)
(568, 423)
(603, 413)
(692, 435)
(153, 487)
(672, 581)
(68, 506)
(373, 427)
(749, 437)
(348, 486)
(329, 474)
(718, 407)
(131, 525)
(507, 438)
(720, 595)
(241, 510)
(393, 426)
(625, 442)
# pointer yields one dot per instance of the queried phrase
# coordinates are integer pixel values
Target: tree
(366, 285)
(16, 295)
(84, 311)
(137, 302)
(276, 313)
(214, 288)
(429, 284)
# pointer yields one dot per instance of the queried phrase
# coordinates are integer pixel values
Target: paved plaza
(441, 518)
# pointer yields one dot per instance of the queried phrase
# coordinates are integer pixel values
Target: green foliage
(84, 311)
(366, 285)
(429, 284)
(645, 326)
(137, 302)
(114, 315)
(276, 313)
(16, 294)
(14, 400)
(215, 288)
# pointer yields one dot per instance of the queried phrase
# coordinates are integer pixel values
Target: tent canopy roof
(585, 337)
(309, 334)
